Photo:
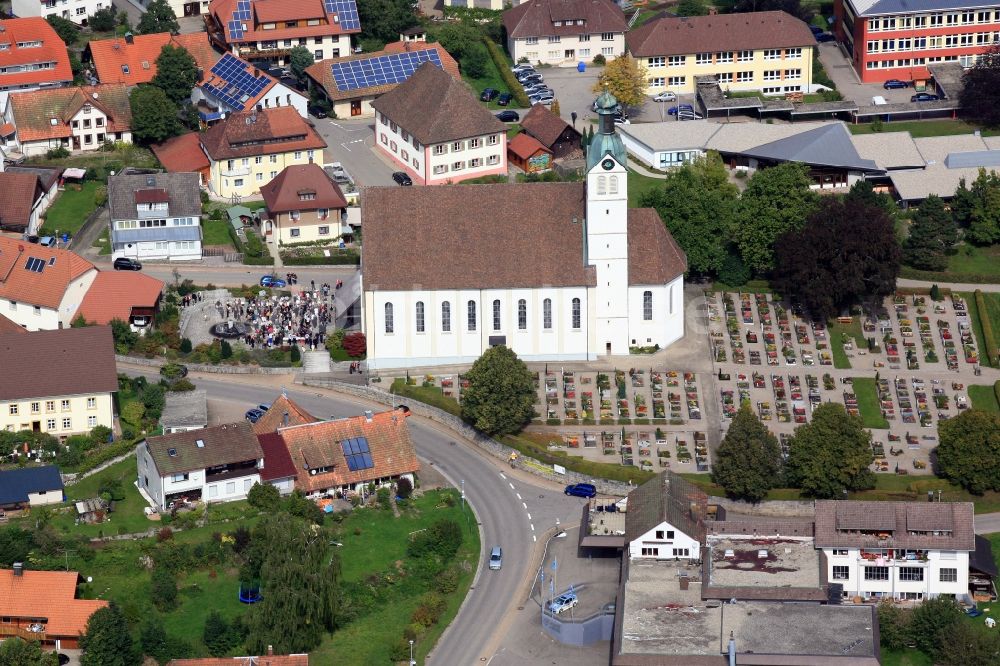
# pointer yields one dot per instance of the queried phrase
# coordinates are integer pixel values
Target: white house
(665, 519)
(155, 216)
(565, 32)
(548, 282)
(216, 464)
(233, 85)
(77, 11)
(41, 288)
(897, 550)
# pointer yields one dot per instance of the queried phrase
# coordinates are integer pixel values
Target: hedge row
(516, 89)
(595, 470)
(945, 276)
(989, 339)
(106, 453)
(996, 390)
(346, 258)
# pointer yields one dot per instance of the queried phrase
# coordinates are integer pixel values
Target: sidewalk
(954, 286)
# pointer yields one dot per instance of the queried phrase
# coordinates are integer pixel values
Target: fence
(487, 444)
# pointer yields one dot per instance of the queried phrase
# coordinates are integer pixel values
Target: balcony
(233, 471)
(236, 171)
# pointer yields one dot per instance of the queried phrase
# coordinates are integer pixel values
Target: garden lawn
(983, 397)
(430, 395)
(489, 79)
(70, 209)
(972, 260)
(906, 657)
(638, 184)
(835, 336)
(868, 404)
(215, 232)
(920, 128)
(993, 311)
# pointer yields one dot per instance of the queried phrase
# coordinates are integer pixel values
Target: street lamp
(412, 660)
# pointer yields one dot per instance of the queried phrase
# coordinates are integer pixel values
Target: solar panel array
(240, 15)
(347, 13)
(34, 265)
(240, 85)
(357, 453)
(381, 70)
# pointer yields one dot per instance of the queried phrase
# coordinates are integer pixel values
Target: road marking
(502, 476)
(532, 525)
(511, 485)
(518, 495)
(534, 538)
(529, 516)
(524, 505)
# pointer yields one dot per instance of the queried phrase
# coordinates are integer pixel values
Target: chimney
(270, 650)
(712, 11)
(368, 415)
(18, 569)
(129, 38)
(284, 419)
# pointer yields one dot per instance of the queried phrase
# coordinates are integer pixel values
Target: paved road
(513, 512)
(987, 523)
(950, 285)
(234, 275)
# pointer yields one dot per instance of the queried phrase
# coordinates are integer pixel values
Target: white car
(622, 121)
(667, 96)
(687, 115)
(562, 603)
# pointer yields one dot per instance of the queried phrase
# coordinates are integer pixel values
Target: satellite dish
(90, 579)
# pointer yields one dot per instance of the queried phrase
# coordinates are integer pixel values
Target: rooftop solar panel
(241, 14)
(357, 453)
(346, 11)
(238, 85)
(381, 70)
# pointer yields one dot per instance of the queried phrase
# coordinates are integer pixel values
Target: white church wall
(667, 323)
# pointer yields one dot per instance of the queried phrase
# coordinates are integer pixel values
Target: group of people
(282, 321)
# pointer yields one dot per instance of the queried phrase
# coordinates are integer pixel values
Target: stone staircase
(316, 362)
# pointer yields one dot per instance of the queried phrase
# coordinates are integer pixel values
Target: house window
(238, 182)
(50, 405)
(793, 53)
(420, 316)
(682, 552)
(230, 487)
(677, 61)
(724, 56)
(772, 74)
(744, 77)
(456, 147)
(677, 81)
(494, 139)
(613, 185)
(458, 166)
(324, 231)
(793, 73)
(647, 306)
(475, 143)
(555, 39)
(177, 478)
(13, 410)
(471, 315)
(876, 573)
(657, 82)
(91, 403)
(659, 534)
(658, 61)
(36, 407)
(446, 317)
(64, 404)
(840, 552)
(439, 149)
(651, 552)
(725, 77)
(531, 41)
(576, 313)
(522, 314)
(915, 574)
(949, 575)
(547, 314)
(607, 51)
(67, 423)
(703, 59)
(772, 54)
(496, 315)
(607, 36)
(388, 318)
(602, 185)
(50, 424)
(841, 573)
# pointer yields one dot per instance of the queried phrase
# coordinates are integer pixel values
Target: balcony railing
(236, 171)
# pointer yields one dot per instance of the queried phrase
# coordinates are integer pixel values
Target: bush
(336, 258)
(57, 153)
(296, 355)
(181, 385)
(509, 80)
(101, 196)
(186, 346)
(404, 488)
(989, 339)
(355, 344)
(227, 349)
(443, 539)
(164, 588)
(600, 60)
(384, 496)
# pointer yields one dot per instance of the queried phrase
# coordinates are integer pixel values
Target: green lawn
(977, 328)
(215, 232)
(430, 395)
(513, 129)
(921, 128)
(490, 79)
(907, 657)
(868, 403)
(70, 209)
(103, 242)
(836, 331)
(974, 260)
(983, 397)
(639, 183)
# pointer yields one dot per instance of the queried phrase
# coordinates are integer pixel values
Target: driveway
(839, 69)
(351, 141)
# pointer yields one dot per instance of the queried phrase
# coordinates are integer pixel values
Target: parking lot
(351, 142)
(840, 70)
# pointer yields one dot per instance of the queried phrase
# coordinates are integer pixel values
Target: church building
(555, 271)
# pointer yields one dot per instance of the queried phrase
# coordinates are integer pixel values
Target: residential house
(269, 659)
(897, 550)
(74, 400)
(184, 153)
(131, 59)
(352, 82)
(266, 31)
(345, 455)
(8, 326)
(49, 180)
(83, 118)
(666, 519)
(42, 606)
(887, 39)
(41, 288)
(565, 32)
(246, 151)
(771, 52)
(130, 297)
(304, 204)
(233, 85)
(279, 470)
(433, 127)
(216, 464)
(557, 135)
(572, 273)
(31, 57)
(184, 411)
(23, 198)
(30, 486)
(155, 216)
(528, 154)
(77, 11)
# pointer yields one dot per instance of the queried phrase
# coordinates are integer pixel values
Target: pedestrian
(312, 285)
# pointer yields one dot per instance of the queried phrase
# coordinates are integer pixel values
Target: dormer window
(580, 22)
(307, 195)
(557, 24)
(125, 69)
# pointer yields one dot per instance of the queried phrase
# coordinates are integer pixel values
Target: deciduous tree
(154, 116)
(691, 8)
(159, 17)
(968, 452)
(107, 641)
(777, 200)
(984, 218)
(932, 236)
(624, 78)
(176, 73)
(104, 20)
(265, 497)
(698, 204)
(17, 652)
(933, 622)
(748, 463)
(299, 58)
(66, 29)
(831, 454)
(893, 626)
(383, 20)
(500, 398)
(980, 95)
(966, 645)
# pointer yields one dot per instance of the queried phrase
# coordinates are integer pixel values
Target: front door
(608, 348)
(36, 426)
(356, 107)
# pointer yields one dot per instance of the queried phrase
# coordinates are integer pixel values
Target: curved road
(514, 511)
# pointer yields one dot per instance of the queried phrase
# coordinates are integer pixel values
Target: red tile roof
(110, 55)
(46, 288)
(317, 445)
(113, 295)
(84, 357)
(284, 192)
(544, 125)
(536, 18)
(274, 417)
(7, 326)
(52, 50)
(277, 463)
(271, 131)
(35, 111)
(722, 32)
(288, 10)
(654, 257)
(182, 153)
(247, 70)
(50, 595)
(276, 11)
(524, 146)
(266, 660)
(18, 194)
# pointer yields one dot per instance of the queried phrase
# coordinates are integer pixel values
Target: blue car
(253, 415)
(273, 281)
(683, 107)
(895, 83)
(581, 490)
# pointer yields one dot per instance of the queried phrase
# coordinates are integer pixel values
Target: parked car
(253, 415)
(531, 81)
(525, 73)
(667, 96)
(894, 84)
(563, 602)
(689, 115)
(496, 558)
(402, 178)
(520, 67)
(622, 121)
(273, 281)
(826, 37)
(489, 95)
(674, 110)
(47, 241)
(527, 77)
(924, 97)
(581, 490)
(508, 116)
(504, 99)
(126, 264)
(536, 89)
(317, 112)
(262, 407)
(545, 99)
(816, 30)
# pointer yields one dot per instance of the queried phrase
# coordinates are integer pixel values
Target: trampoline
(250, 592)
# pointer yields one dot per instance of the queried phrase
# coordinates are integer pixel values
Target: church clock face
(608, 164)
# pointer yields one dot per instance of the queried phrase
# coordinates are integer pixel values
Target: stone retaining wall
(487, 444)
(159, 362)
